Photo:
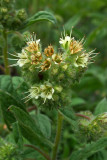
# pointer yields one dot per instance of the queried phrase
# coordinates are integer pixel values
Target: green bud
(98, 127)
(61, 76)
(84, 119)
(55, 97)
(21, 14)
(65, 66)
(16, 23)
(54, 71)
(58, 89)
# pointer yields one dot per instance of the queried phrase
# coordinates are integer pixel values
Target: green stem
(5, 54)
(58, 136)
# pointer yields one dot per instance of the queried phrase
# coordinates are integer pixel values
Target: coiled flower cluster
(50, 72)
(92, 128)
(9, 17)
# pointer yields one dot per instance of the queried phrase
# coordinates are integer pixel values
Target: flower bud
(65, 66)
(49, 51)
(57, 58)
(58, 89)
(98, 127)
(46, 64)
(60, 76)
(21, 14)
(54, 71)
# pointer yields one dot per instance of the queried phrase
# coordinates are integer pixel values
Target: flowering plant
(48, 70)
(31, 103)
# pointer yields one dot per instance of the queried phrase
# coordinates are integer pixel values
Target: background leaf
(40, 16)
(6, 99)
(77, 101)
(101, 107)
(72, 22)
(89, 150)
(44, 124)
(29, 128)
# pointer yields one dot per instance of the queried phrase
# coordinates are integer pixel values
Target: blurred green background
(88, 18)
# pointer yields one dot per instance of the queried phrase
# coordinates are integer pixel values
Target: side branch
(81, 115)
(37, 149)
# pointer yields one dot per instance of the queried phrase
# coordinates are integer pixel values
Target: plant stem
(5, 54)
(81, 115)
(38, 150)
(58, 136)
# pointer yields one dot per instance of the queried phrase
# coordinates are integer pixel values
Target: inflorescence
(51, 73)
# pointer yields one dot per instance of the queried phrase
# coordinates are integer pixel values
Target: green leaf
(6, 83)
(44, 124)
(89, 150)
(17, 82)
(14, 85)
(24, 117)
(6, 99)
(101, 107)
(77, 101)
(72, 22)
(11, 93)
(29, 128)
(98, 73)
(93, 35)
(69, 116)
(40, 16)
(101, 155)
(17, 135)
(78, 33)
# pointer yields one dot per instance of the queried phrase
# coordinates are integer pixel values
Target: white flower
(46, 91)
(34, 92)
(33, 42)
(23, 58)
(65, 42)
(81, 60)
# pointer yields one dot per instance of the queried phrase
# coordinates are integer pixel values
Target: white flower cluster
(45, 91)
(72, 47)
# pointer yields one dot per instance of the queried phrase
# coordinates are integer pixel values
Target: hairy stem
(58, 136)
(5, 54)
(38, 150)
